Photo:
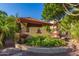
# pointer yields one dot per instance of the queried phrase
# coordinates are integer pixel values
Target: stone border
(43, 49)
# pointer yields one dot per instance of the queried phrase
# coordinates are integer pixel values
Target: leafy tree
(68, 23)
(52, 11)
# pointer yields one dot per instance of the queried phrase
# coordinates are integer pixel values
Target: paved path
(74, 53)
(17, 52)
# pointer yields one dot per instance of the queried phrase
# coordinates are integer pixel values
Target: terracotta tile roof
(33, 21)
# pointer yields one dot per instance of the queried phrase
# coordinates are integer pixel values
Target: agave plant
(8, 27)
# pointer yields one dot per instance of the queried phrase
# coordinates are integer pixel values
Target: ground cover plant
(44, 41)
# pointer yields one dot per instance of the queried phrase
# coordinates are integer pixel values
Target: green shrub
(42, 41)
(75, 30)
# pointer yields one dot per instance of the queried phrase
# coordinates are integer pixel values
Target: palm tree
(8, 27)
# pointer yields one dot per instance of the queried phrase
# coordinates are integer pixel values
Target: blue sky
(33, 10)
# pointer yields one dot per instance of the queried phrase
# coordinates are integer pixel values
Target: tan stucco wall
(33, 30)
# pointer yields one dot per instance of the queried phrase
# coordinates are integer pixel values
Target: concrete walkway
(17, 52)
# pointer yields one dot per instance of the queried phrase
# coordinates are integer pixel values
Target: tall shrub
(75, 30)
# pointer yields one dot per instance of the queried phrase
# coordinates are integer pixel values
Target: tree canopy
(52, 11)
(69, 22)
